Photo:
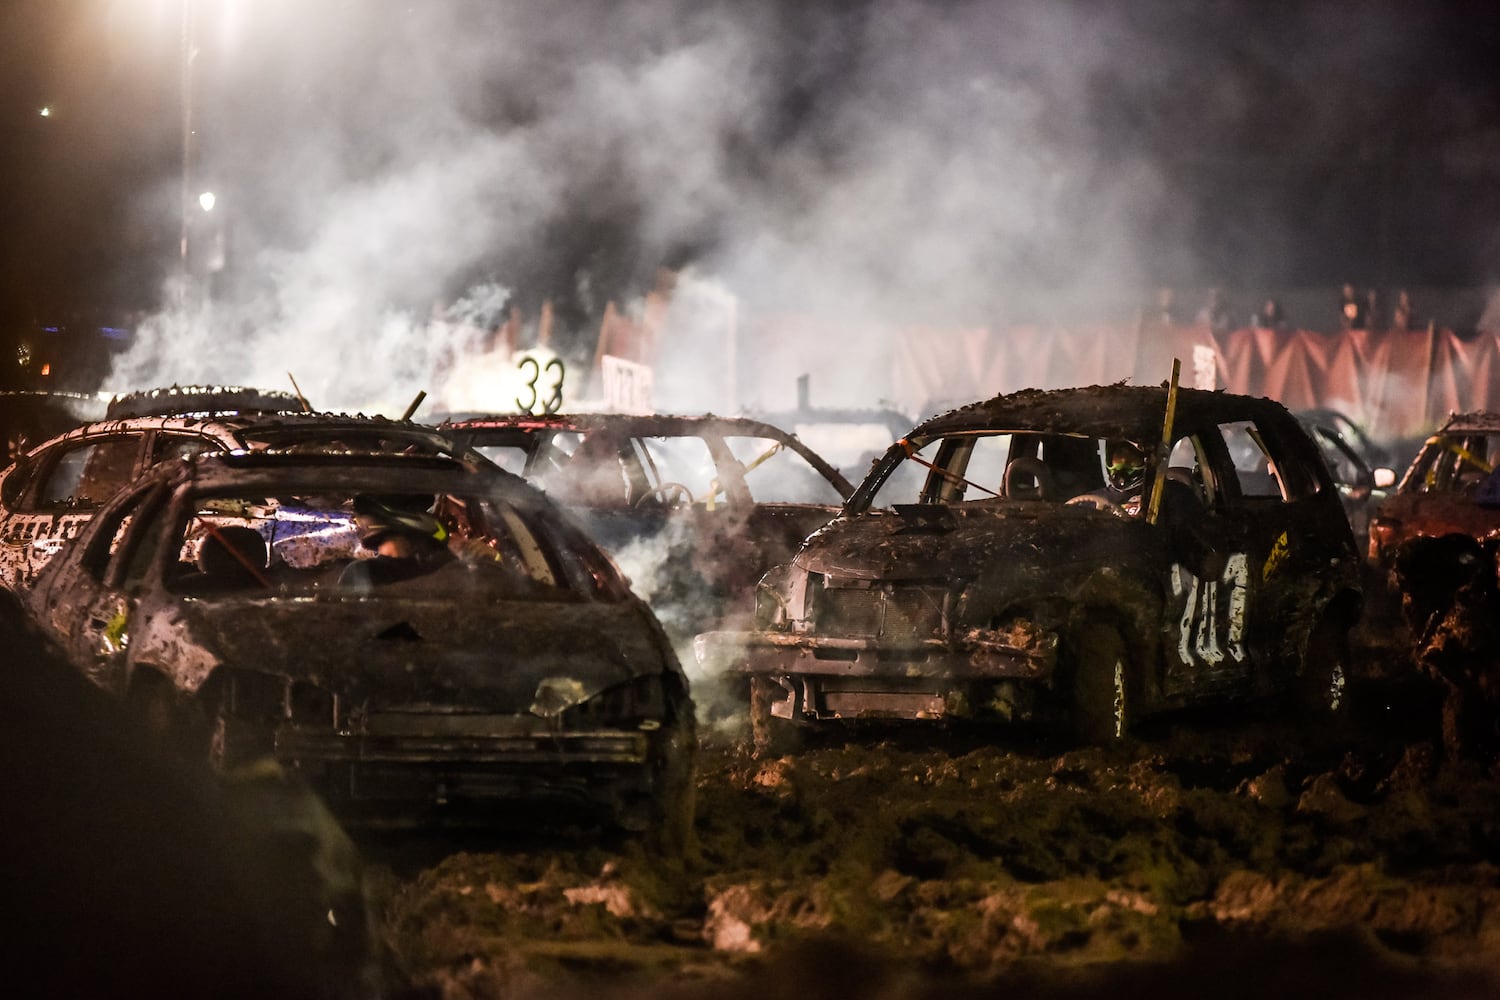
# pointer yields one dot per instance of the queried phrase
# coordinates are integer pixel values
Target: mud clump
(971, 867)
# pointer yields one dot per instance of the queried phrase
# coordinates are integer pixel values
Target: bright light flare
(46, 112)
(206, 201)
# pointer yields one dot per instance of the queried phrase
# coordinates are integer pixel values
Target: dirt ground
(1232, 855)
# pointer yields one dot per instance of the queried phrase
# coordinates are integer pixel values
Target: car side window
(1266, 468)
(88, 474)
(175, 446)
(112, 531)
(775, 473)
(684, 461)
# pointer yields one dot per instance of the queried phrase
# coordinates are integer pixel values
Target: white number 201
(1201, 637)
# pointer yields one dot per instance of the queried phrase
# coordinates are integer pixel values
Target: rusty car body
(211, 593)
(1450, 488)
(980, 573)
(694, 508)
(48, 494)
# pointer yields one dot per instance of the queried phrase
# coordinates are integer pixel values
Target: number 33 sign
(541, 382)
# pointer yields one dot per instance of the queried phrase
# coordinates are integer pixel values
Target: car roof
(419, 473)
(1482, 421)
(231, 429)
(649, 425)
(1125, 411)
(204, 400)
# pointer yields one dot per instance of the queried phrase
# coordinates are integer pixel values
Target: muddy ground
(1233, 855)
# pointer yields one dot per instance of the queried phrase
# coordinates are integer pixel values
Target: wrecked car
(1450, 488)
(695, 509)
(1361, 487)
(48, 494)
(255, 605)
(1003, 561)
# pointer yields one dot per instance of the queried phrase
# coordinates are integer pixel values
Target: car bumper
(977, 655)
(394, 766)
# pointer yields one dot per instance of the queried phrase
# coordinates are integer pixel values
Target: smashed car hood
(406, 651)
(886, 546)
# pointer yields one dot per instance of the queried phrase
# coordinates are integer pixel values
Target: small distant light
(207, 199)
(46, 369)
(45, 112)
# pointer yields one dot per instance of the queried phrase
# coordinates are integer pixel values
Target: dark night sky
(942, 153)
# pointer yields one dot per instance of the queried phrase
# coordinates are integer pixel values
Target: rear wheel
(1101, 706)
(1322, 688)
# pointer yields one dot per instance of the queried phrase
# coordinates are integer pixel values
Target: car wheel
(1101, 705)
(1322, 688)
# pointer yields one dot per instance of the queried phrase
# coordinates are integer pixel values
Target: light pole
(188, 54)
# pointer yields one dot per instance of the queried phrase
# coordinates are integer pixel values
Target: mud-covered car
(1450, 488)
(694, 508)
(48, 494)
(247, 603)
(984, 570)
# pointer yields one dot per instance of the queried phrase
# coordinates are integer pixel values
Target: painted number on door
(1213, 613)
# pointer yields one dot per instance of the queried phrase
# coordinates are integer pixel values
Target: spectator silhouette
(1352, 309)
(1270, 317)
(1215, 312)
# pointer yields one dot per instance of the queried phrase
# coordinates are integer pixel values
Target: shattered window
(1456, 463)
(88, 475)
(954, 469)
(678, 461)
(169, 447)
(775, 473)
(1253, 465)
(474, 548)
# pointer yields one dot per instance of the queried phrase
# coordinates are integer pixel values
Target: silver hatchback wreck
(425, 640)
(1039, 555)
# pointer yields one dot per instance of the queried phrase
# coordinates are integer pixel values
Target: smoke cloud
(873, 165)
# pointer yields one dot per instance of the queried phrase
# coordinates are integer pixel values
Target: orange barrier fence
(1395, 384)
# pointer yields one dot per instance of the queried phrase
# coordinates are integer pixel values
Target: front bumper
(976, 655)
(396, 765)
(984, 673)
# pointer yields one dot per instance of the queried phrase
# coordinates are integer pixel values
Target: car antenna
(421, 395)
(1163, 448)
(306, 406)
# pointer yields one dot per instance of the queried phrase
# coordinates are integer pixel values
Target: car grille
(899, 613)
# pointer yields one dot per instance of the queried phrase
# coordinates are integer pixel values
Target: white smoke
(876, 166)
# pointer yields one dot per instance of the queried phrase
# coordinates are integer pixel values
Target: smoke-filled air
(394, 179)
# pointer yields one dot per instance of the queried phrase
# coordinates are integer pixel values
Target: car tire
(1322, 685)
(1102, 703)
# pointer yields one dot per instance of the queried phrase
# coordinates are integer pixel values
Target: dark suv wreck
(426, 640)
(986, 570)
